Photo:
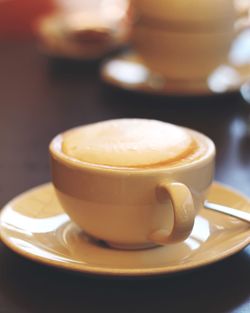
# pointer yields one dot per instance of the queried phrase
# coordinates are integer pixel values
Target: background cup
(182, 40)
(181, 55)
(132, 208)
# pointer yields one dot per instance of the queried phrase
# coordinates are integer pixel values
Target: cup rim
(57, 154)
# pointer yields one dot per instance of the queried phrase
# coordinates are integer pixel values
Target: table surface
(40, 98)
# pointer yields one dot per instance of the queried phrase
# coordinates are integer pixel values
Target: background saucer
(34, 225)
(127, 71)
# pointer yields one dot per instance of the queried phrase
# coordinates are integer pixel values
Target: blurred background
(44, 93)
(18, 17)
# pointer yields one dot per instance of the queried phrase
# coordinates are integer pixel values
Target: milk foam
(128, 143)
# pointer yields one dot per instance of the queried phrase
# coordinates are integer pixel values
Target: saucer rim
(118, 272)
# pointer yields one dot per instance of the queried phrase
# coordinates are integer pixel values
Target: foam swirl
(128, 143)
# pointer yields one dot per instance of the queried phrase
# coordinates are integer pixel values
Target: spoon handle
(242, 215)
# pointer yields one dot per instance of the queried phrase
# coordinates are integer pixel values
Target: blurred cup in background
(183, 40)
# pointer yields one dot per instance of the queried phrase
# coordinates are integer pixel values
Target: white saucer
(127, 71)
(34, 225)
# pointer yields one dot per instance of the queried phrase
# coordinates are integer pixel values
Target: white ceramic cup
(132, 208)
(181, 55)
(183, 40)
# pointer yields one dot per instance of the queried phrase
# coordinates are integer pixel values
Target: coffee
(132, 183)
(133, 143)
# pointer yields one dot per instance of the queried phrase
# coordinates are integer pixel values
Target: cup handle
(183, 209)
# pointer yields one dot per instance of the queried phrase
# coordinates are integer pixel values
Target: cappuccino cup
(133, 183)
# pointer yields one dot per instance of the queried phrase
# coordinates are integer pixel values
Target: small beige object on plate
(35, 226)
(82, 35)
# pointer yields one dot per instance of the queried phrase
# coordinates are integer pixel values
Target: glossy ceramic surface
(34, 225)
(133, 207)
(127, 71)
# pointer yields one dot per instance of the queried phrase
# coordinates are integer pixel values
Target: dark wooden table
(40, 98)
